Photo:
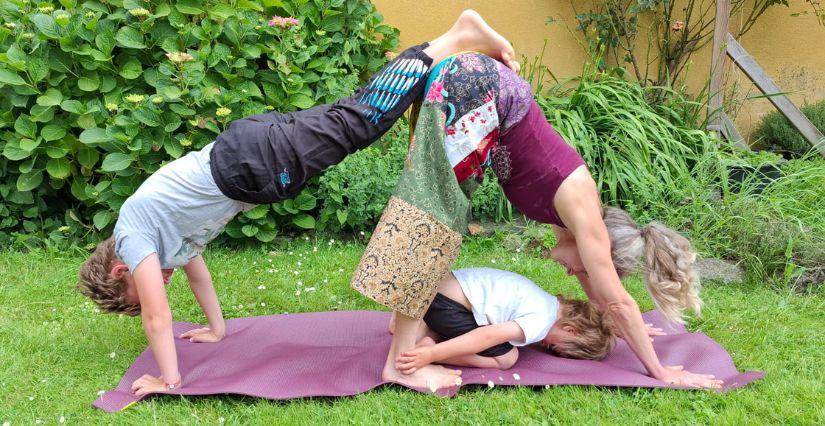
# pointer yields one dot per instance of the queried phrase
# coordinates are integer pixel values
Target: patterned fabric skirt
(419, 235)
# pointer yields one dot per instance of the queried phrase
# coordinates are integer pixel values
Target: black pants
(450, 319)
(269, 157)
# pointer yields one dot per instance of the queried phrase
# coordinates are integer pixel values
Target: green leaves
(116, 162)
(131, 69)
(51, 97)
(301, 101)
(130, 38)
(30, 180)
(53, 132)
(11, 78)
(94, 136)
(102, 218)
(46, 25)
(93, 105)
(189, 7)
(59, 168)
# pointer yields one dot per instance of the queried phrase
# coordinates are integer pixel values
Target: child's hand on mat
(202, 335)
(149, 384)
(676, 375)
(410, 361)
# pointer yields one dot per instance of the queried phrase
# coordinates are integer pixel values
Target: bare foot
(432, 377)
(477, 35)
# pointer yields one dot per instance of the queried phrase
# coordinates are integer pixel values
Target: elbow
(622, 307)
(508, 360)
(157, 323)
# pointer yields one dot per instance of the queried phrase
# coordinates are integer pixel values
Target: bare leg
(501, 362)
(433, 377)
(471, 33)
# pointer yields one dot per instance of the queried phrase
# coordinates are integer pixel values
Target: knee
(507, 360)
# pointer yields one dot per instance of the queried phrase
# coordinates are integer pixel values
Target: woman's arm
(577, 203)
(467, 344)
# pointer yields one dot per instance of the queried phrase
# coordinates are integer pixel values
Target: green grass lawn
(57, 352)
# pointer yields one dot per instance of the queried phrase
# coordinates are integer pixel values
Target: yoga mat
(342, 353)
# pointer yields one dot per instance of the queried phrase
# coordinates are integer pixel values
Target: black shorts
(270, 157)
(450, 319)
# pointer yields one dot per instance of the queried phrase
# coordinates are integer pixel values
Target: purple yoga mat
(342, 353)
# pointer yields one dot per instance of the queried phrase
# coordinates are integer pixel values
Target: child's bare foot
(432, 377)
(471, 33)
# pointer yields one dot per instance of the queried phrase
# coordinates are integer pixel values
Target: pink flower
(471, 62)
(283, 22)
(435, 95)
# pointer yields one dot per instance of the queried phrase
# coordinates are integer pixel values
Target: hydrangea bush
(97, 95)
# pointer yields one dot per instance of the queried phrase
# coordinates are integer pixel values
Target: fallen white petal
(6, 423)
(62, 419)
(31, 398)
(547, 386)
(263, 304)
(112, 355)
(493, 261)
(309, 289)
(221, 420)
(500, 379)
(490, 384)
(261, 287)
(516, 376)
(101, 392)
(297, 292)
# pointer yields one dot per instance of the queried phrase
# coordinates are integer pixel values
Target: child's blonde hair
(96, 282)
(593, 337)
(668, 270)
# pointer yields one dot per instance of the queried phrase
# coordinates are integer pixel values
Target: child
(481, 315)
(261, 159)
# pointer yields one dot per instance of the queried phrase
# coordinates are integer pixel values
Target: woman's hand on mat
(149, 384)
(676, 375)
(202, 335)
(410, 361)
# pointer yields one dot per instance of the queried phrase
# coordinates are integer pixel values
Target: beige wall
(790, 49)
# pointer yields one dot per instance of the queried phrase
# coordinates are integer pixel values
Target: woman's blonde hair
(669, 257)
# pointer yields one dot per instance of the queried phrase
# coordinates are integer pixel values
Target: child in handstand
(480, 316)
(260, 159)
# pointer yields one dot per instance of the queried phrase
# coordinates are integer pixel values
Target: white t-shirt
(174, 213)
(498, 296)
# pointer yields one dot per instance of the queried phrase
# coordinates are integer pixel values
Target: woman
(477, 113)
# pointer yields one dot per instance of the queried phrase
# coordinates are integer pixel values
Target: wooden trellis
(718, 121)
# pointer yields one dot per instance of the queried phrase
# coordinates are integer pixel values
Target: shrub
(96, 96)
(639, 154)
(776, 133)
(355, 192)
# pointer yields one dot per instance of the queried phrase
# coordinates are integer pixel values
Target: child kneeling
(480, 316)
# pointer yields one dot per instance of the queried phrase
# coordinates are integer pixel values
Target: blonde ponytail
(669, 275)
(668, 271)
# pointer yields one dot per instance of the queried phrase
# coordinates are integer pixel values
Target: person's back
(175, 213)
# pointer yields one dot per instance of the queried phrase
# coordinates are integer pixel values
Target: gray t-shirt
(175, 213)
